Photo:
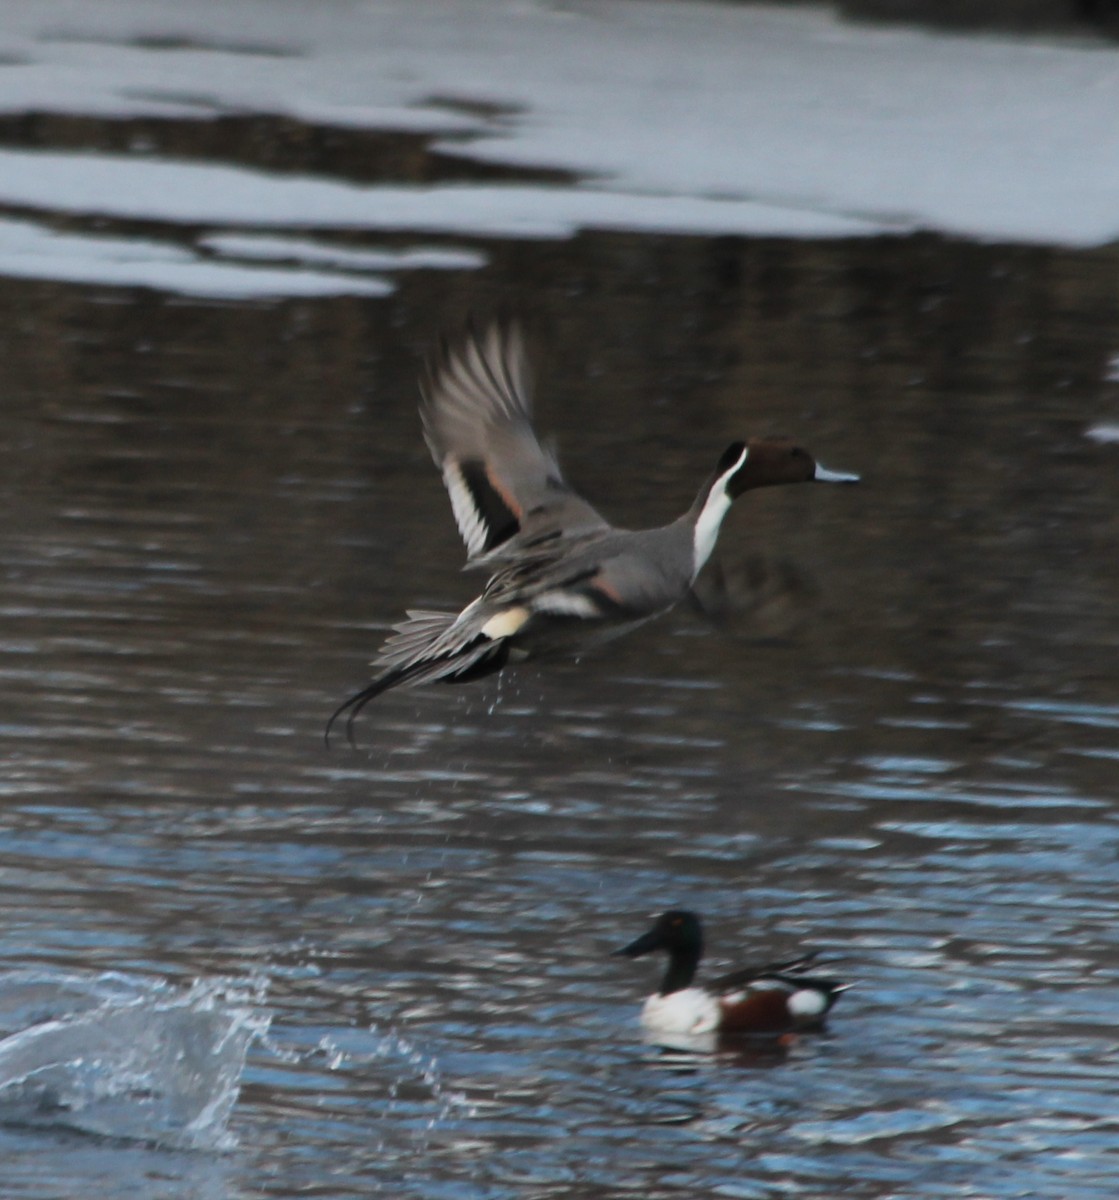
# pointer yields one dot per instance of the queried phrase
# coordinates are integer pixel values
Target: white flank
(807, 1003)
(565, 604)
(467, 516)
(690, 1010)
(707, 527)
(506, 623)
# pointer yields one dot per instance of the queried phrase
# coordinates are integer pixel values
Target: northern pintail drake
(775, 999)
(561, 577)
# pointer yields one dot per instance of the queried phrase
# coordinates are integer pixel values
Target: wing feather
(504, 487)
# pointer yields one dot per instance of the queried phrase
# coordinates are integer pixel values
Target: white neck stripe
(711, 516)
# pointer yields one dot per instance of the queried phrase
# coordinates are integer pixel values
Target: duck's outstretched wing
(477, 418)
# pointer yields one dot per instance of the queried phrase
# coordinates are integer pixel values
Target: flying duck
(775, 999)
(561, 576)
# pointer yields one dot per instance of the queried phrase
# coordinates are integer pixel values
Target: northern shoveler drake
(775, 999)
(561, 577)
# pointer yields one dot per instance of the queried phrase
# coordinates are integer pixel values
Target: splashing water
(425, 1067)
(495, 703)
(346, 1050)
(126, 1058)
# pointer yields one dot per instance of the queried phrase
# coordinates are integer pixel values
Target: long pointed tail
(355, 703)
(423, 650)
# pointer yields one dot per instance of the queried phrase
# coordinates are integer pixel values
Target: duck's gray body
(549, 603)
(561, 576)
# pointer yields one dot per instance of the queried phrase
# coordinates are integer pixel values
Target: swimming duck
(774, 999)
(561, 577)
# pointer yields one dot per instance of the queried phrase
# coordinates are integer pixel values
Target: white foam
(126, 1057)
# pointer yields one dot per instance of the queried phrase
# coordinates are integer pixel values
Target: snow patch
(29, 251)
(683, 117)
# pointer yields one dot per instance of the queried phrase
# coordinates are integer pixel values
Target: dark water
(895, 738)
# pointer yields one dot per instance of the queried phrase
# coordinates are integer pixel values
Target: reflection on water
(894, 740)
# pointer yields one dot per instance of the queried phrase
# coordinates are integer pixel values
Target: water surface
(892, 735)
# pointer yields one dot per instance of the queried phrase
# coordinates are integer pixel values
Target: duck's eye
(797, 452)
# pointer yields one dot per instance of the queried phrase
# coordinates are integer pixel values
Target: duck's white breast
(690, 1010)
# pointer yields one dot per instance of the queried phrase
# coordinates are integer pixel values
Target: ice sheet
(698, 116)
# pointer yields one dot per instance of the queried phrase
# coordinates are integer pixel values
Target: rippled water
(893, 737)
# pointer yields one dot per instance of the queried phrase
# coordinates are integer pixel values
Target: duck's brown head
(764, 462)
